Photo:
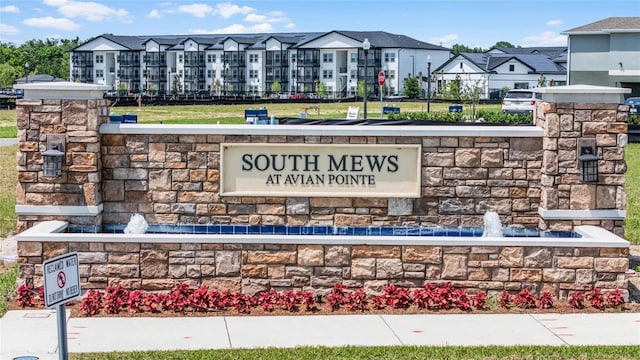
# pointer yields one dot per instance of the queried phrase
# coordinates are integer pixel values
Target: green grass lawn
(387, 353)
(8, 181)
(234, 114)
(632, 222)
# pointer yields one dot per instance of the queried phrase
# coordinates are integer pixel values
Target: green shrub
(490, 116)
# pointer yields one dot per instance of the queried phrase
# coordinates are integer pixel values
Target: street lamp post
(366, 45)
(26, 69)
(428, 84)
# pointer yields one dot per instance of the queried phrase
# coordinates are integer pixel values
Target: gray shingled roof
(538, 63)
(553, 51)
(379, 39)
(611, 23)
(131, 42)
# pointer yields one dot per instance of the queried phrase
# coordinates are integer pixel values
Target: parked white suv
(520, 101)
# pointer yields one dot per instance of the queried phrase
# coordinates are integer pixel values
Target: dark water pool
(322, 230)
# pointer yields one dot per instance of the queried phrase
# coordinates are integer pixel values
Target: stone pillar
(569, 114)
(74, 111)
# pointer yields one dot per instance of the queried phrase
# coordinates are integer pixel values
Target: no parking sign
(61, 279)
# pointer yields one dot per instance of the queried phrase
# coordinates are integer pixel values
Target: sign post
(61, 285)
(381, 84)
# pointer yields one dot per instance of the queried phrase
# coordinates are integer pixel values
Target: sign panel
(61, 279)
(381, 78)
(329, 170)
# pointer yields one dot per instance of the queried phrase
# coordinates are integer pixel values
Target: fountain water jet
(137, 225)
(492, 225)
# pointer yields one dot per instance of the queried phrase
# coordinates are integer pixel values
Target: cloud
(227, 10)
(8, 29)
(237, 29)
(546, 38)
(51, 22)
(90, 11)
(154, 14)
(270, 17)
(554, 22)
(197, 10)
(10, 9)
(444, 39)
(290, 26)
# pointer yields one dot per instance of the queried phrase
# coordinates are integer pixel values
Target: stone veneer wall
(81, 181)
(564, 124)
(175, 179)
(255, 267)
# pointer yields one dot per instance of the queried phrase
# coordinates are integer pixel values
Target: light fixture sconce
(588, 160)
(52, 158)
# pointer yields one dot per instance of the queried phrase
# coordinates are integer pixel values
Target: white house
(504, 68)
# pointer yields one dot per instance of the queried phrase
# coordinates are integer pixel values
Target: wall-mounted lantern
(52, 158)
(588, 160)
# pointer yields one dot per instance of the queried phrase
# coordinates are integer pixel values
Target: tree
(503, 44)
(8, 75)
(459, 48)
(360, 89)
(50, 56)
(471, 92)
(276, 87)
(176, 87)
(451, 90)
(410, 87)
(322, 90)
(542, 81)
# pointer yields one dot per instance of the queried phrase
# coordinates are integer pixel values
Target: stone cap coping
(67, 210)
(324, 130)
(583, 94)
(592, 236)
(62, 90)
(601, 214)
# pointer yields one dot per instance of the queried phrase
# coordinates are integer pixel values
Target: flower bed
(432, 297)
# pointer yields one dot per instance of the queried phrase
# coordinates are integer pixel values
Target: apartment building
(606, 53)
(250, 64)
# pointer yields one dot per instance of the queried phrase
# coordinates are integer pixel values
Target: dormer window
(512, 68)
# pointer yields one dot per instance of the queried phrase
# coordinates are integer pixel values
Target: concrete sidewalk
(34, 332)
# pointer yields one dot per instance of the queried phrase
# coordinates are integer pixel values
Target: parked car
(298, 96)
(520, 101)
(634, 105)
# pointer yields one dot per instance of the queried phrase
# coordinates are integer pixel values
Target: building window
(253, 74)
(353, 74)
(253, 58)
(389, 57)
(327, 58)
(354, 57)
(99, 59)
(211, 58)
(293, 57)
(211, 73)
(99, 73)
(461, 65)
(327, 74)
(180, 57)
(523, 85)
(512, 67)
(392, 74)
